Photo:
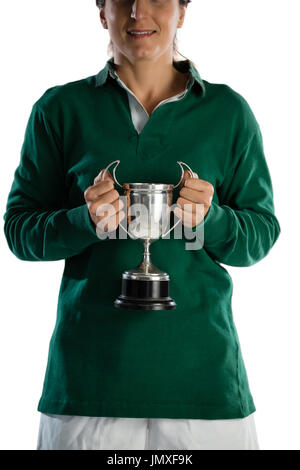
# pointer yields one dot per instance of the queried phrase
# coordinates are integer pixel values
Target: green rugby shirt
(105, 361)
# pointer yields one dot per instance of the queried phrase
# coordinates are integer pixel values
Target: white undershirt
(138, 113)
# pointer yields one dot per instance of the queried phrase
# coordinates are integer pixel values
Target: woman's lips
(141, 35)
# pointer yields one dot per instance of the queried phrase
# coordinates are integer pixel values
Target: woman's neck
(150, 81)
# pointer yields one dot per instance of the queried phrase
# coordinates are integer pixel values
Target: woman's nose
(139, 8)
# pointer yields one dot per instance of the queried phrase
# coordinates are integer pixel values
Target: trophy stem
(145, 270)
(146, 255)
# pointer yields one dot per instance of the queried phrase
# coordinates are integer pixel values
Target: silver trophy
(148, 212)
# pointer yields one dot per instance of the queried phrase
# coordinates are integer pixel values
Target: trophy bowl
(146, 287)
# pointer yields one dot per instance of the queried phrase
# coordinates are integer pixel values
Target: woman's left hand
(194, 201)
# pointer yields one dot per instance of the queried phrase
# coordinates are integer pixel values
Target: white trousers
(64, 432)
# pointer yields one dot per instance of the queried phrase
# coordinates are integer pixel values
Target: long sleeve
(242, 228)
(37, 226)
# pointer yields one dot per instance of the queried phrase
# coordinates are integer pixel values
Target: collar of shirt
(182, 65)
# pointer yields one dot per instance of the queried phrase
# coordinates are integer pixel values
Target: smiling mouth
(140, 35)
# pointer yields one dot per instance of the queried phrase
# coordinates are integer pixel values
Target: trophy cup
(146, 287)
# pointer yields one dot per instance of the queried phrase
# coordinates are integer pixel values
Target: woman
(133, 379)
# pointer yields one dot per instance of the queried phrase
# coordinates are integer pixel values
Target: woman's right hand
(104, 203)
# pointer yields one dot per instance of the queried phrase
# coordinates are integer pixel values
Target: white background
(251, 45)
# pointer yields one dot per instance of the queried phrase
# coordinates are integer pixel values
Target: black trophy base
(145, 295)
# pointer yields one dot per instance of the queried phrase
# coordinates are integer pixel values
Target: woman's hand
(194, 201)
(104, 203)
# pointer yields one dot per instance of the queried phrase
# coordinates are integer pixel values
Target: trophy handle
(114, 172)
(116, 181)
(182, 173)
(181, 178)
